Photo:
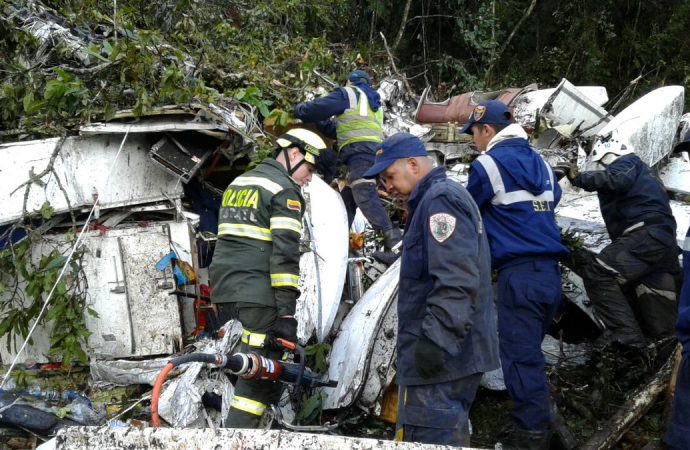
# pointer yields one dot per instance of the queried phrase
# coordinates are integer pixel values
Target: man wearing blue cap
(516, 192)
(354, 116)
(446, 327)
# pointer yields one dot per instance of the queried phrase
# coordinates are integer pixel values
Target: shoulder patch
(294, 205)
(442, 226)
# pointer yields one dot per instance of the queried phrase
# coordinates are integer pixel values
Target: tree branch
(507, 41)
(403, 23)
(395, 69)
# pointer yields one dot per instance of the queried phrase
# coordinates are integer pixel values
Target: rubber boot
(391, 252)
(517, 439)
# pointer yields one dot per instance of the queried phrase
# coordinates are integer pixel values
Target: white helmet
(613, 147)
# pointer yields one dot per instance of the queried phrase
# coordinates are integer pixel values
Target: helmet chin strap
(291, 170)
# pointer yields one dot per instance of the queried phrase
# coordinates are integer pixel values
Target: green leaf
(54, 90)
(310, 409)
(56, 263)
(46, 210)
(107, 48)
(64, 76)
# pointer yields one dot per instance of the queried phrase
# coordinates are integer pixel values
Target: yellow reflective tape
(284, 279)
(265, 183)
(248, 405)
(241, 230)
(286, 223)
(400, 434)
(253, 339)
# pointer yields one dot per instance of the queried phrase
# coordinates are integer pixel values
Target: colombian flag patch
(294, 205)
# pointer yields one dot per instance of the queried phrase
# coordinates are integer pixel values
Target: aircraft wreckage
(142, 195)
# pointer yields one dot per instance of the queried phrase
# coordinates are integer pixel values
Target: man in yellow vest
(255, 266)
(353, 115)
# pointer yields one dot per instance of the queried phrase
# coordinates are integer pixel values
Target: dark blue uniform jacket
(628, 194)
(445, 287)
(683, 325)
(516, 192)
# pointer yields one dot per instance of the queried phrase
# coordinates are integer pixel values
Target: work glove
(286, 328)
(565, 169)
(429, 358)
(573, 172)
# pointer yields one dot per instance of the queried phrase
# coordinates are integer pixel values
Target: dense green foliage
(262, 52)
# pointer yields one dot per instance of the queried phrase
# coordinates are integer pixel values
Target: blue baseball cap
(492, 112)
(359, 76)
(398, 146)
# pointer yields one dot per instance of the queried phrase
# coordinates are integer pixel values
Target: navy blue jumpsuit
(446, 297)
(678, 435)
(643, 254)
(516, 194)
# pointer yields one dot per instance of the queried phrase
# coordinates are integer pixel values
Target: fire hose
(248, 366)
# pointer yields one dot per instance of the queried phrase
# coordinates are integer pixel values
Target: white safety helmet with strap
(309, 144)
(606, 152)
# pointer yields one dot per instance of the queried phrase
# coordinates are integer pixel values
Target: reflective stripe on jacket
(629, 193)
(358, 123)
(256, 260)
(516, 192)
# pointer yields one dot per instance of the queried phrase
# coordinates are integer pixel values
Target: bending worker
(642, 259)
(353, 115)
(516, 193)
(446, 326)
(255, 266)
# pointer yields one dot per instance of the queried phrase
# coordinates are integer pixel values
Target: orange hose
(155, 420)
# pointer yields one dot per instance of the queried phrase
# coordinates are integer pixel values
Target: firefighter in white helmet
(255, 266)
(631, 282)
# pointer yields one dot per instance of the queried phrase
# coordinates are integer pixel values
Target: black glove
(573, 172)
(429, 358)
(286, 328)
(565, 169)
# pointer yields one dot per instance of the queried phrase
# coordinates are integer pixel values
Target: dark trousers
(364, 191)
(678, 434)
(437, 413)
(529, 296)
(251, 398)
(643, 264)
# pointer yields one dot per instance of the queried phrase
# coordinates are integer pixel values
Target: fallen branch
(671, 388)
(640, 401)
(395, 69)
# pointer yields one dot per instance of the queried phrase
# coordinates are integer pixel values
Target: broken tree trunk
(640, 401)
(671, 387)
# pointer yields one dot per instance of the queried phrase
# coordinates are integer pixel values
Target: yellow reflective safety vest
(256, 259)
(358, 123)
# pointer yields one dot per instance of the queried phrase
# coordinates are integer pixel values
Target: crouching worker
(446, 317)
(255, 267)
(643, 254)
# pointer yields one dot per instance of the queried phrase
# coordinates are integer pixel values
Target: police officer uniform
(255, 268)
(516, 193)
(445, 305)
